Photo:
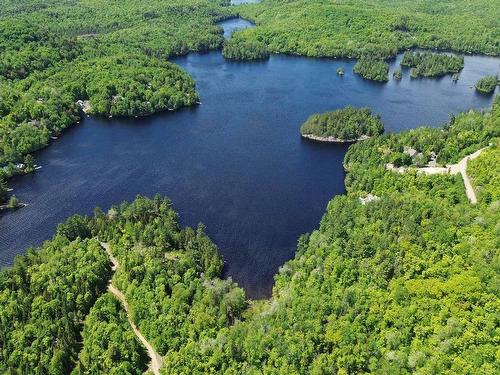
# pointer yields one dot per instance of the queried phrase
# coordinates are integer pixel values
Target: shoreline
(332, 139)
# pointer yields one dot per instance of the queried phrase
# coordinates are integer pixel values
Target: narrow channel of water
(236, 162)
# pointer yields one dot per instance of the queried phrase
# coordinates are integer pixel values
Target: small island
(428, 64)
(344, 125)
(397, 75)
(372, 69)
(13, 203)
(487, 85)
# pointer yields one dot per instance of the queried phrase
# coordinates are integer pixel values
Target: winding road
(460, 167)
(156, 360)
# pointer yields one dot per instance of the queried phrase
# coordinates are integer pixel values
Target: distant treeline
(237, 48)
(380, 29)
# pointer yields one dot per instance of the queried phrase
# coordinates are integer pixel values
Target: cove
(236, 162)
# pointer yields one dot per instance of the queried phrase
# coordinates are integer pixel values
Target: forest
(43, 297)
(56, 294)
(487, 85)
(109, 344)
(3, 190)
(405, 283)
(238, 48)
(347, 28)
(485, 175)
(347, 124)
(426, 64)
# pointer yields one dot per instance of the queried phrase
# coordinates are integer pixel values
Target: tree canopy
(373, 69)
(428, 64)
(346, 28)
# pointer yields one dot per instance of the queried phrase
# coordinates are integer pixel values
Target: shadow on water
(235, 162)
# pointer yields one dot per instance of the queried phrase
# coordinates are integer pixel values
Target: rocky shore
(332, 139)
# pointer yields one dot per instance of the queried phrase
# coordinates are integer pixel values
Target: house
(369, 198)
(410, 151)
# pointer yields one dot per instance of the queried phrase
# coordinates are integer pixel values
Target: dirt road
(156, 359)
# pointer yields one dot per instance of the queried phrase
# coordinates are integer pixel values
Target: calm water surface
(236, 162)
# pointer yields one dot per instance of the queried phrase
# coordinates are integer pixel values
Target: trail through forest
(156, 360)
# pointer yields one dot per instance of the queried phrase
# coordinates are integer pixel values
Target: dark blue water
(236, 162)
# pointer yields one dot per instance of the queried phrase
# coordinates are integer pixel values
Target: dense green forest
(426, 64)
(59, 60)
(238, 48)
(44, 298)
(354, 28)
(347, 124)
(3, 190)
(373, 69)
(487, 85)
(405, 283)
(485, 174)
(109, 344)
(169, 277)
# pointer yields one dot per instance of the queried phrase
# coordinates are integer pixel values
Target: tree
(13, 202)
(29, 163)
(75, 227)
(397, 75)
(372, 68)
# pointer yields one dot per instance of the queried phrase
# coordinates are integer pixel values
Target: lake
(236, 162)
